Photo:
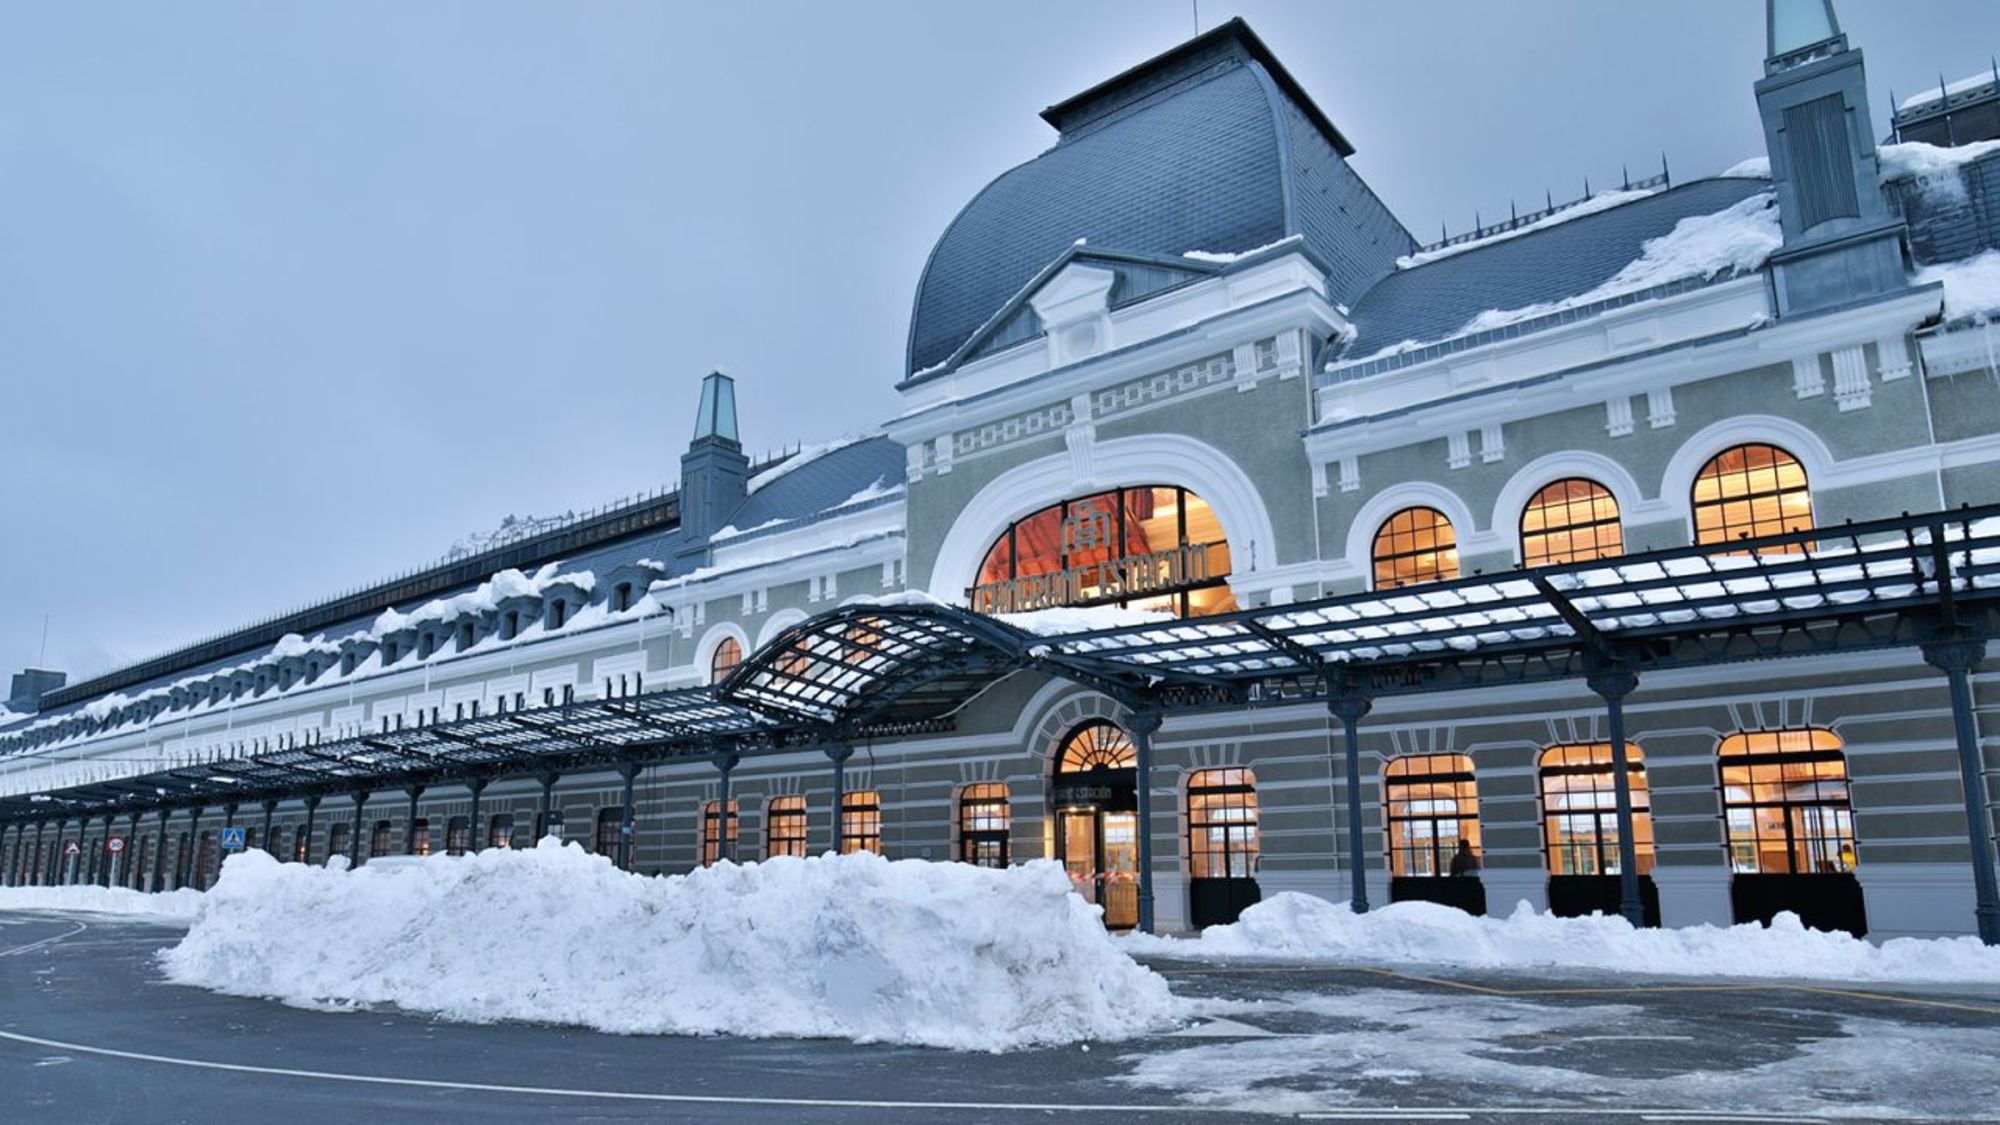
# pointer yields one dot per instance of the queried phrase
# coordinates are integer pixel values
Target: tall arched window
(500, 831)
(983, 822)
(381, 840)
(1580, 809)
(1154, 547)
(1433, 804)
(457, 835)
(1222, 824)
(1750, 490)
(336, 839)
(717, 825)
(727, 656)
(1415, 545)
(1784, 796)
(785, 827)
(1572, 520)
(861, 822)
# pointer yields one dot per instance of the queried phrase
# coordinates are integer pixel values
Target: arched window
(785, 827)
(861, 822)
(1580, 809)
(1572, 520)
(610, 823)
(715, 825)
(549, 824)
(1222, 824)
(1150, 547)
(1415, 545)
(302, 846)
(984, 819)
(727, 656)
(1100, 744)
(1748, 491)
(500, 831)
(420, 841)
(457, 836)
(1433, 804)
(336, 839)
(382, 840)
(1784, 796)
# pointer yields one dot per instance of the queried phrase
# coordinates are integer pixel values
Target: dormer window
(558, 612)
(389, 653)
(466, 637)
(426, 644)
(347, 663)
(621, 597)
(510, 625)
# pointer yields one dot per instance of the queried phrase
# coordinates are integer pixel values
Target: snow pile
(1935, 169)
(854, 947)
(1737, 238)
(1294, 926)
(102, 900)
(1971, 287)
(1602, 201)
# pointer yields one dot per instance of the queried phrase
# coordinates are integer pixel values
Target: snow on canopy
(852, 947)
(1971, 286)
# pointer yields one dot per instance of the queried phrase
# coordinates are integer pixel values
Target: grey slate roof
(1434, 300)
(1211, 155)
(809, 490)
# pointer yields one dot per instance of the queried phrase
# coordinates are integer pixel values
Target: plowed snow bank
(1289, 926)
(855, 947)
(101, 900)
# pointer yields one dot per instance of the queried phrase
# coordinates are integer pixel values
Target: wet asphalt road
(89, 1033)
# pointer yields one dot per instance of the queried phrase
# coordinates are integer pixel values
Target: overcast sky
(294, 295)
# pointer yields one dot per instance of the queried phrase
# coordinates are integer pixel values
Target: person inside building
(1463, 862)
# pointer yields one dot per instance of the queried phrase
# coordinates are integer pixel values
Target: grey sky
(294, 295)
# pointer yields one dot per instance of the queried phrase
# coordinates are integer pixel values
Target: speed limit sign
(116, 845)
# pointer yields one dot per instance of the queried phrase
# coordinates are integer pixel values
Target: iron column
(1348, 705)
(410, 828)
(160, 853)
(546, 817)
(839, 752)
(477, 785)
(270, 806)
(725, 849)
(1612, 685)
(304, 848)
(1144, 724)
(354, 840)
(189, 860)
(628, 771)
(1957, 659)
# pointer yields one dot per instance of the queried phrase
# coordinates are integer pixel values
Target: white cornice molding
(1182, 325)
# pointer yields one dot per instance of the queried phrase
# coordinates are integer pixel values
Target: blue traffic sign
(232, 839)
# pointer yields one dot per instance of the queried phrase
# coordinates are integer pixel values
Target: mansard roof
(1210, 147)
(1434, 300)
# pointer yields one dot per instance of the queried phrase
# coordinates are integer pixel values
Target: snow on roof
(805, 455)
(1984, 78)
(1971, 286)
(1748, 168)
(1222, 258)
(1739, 238)
(1061, 620)
(1602, 201)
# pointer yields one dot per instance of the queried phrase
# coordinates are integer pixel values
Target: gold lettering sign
(1133, 576)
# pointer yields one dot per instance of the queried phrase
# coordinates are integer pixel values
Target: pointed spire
(716, 417)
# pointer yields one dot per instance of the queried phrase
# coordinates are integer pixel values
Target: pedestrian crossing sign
(232, 839)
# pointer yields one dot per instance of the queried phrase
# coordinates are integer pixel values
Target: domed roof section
(1211, 147)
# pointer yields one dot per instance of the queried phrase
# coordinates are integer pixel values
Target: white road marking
(34, 945)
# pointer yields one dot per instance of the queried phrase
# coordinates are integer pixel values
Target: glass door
(1079, 851)
(1119, 868)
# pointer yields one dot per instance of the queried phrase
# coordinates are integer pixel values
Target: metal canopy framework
(907, 667)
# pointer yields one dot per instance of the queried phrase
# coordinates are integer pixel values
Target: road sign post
(116, 846)
(232, 839)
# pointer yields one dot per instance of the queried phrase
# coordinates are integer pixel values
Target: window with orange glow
(861, 822)
(714, 823)
(1099, 745)
(1415, 545)
(1751, 490)
(1153, 523)
(984, 818)
(1580, 809)
(1785, 800)
(1573, 520)
(1222, 824)
(1433, 803)
(727, 656)
(785, 826)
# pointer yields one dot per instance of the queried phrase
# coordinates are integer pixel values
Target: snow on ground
(854, 947)
(1971, 287)
(1602, 201)
(1301, 926)
(102, 900)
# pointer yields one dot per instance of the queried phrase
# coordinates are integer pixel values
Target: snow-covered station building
(1636, 554)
